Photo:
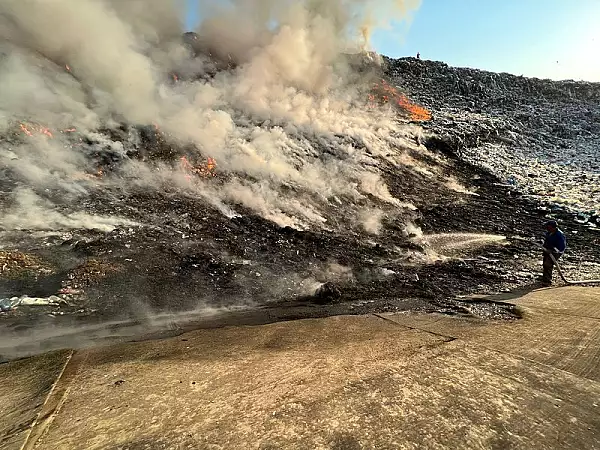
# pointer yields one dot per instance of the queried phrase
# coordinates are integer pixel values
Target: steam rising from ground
(287, 123)
(34, 213)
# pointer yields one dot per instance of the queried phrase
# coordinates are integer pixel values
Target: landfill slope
(154, 180)
(540, 136)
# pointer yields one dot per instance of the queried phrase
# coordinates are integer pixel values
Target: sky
(537, 38)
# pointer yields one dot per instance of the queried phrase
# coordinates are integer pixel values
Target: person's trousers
(549, 267)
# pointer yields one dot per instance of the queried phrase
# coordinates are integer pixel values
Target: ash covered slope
(542, 136)
(245, 166)
(137, 170)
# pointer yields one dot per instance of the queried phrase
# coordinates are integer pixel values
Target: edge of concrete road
(54, 383)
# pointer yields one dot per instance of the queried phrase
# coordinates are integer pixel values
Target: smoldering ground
(246, 168)
(101, 64)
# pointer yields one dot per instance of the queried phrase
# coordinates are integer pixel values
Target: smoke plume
(265, 90)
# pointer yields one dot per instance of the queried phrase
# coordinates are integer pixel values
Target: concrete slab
(572, 300)
(560, 328)
(390, 381)
(226, 387)
(24, 389)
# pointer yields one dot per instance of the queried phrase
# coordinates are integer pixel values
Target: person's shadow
(523, 290)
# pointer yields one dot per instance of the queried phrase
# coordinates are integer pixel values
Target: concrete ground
(378, 381)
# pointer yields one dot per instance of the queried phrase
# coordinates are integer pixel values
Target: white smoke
(371, 220)
(285, 124)
(31, 212)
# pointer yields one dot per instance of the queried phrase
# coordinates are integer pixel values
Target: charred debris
(189, 255)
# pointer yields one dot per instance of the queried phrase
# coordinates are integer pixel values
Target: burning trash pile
(292, 144)
(539, 136)
(204, 170)
(384, 93)
(243, 166)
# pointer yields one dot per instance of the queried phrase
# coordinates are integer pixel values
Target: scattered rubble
(540, 137)
(469, 154)
(92, 271)
(15, 264)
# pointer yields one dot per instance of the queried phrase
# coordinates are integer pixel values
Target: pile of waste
(539, 136)
(145, 174)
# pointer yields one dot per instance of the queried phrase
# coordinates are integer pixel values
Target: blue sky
(192, 18)
(542, 38)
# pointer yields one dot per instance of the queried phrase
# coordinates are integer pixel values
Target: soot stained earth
(196, 255)
(179, 255)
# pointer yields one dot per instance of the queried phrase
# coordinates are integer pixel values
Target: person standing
(555, 244)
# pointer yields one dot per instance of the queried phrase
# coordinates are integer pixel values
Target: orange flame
(211, 164)
(203, 170)
(29, 129)
(67, 67)
(384, 93)
(25, 129)
(46, 131)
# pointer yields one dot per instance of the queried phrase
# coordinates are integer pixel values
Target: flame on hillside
(383, 93)
(205, 170)
(30, 129)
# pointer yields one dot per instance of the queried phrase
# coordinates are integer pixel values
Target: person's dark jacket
(556, 241)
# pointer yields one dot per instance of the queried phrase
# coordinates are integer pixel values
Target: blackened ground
(188, 256)
(191, 256)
